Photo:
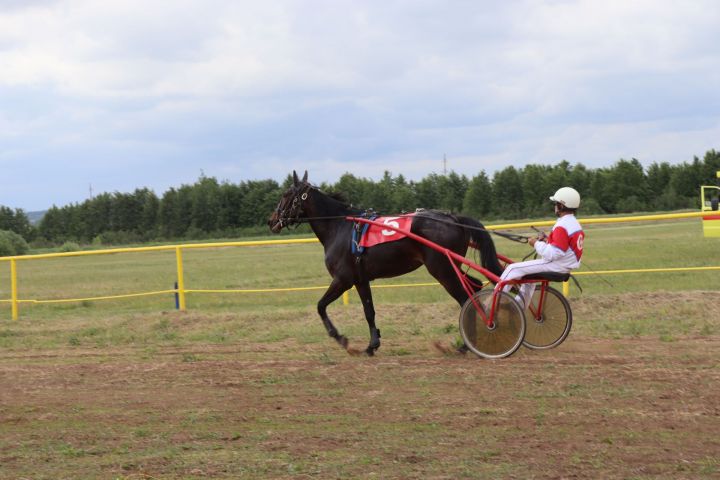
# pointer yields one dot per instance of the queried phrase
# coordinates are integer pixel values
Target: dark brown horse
(326, 216)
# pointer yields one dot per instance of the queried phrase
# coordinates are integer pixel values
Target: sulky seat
(551, 276)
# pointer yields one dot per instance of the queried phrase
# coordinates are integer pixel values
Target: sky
(121, 94)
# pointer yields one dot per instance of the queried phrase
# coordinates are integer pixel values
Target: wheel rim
(509, 326)
(555, 322)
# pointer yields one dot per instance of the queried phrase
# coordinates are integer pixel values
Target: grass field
(250, 386)
(608, 247)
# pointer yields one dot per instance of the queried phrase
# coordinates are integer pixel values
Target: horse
(326, 214)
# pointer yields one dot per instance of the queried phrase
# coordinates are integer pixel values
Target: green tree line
(212, 209)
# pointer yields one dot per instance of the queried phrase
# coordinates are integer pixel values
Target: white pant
(518, 270)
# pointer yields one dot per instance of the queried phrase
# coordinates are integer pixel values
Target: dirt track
(628, 408)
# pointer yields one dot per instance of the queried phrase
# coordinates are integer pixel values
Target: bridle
(289, 215)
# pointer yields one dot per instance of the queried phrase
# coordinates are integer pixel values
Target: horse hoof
(370, 351)
(343, 341)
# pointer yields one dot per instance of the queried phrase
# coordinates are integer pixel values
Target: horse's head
(289, 210)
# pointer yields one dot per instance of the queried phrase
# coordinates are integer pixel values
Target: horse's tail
(484, 242)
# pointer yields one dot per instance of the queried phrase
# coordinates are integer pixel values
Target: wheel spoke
(554, 324)
(501, 341)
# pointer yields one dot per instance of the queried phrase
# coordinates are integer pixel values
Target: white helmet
(567, 197)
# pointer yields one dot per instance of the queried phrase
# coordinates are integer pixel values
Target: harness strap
(577, 284)
(532, 253)
(359, 231)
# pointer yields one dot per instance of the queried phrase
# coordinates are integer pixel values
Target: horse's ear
(295, 178)
(305, 177)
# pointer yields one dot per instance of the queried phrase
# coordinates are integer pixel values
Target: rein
(288, 217)
(287, 221)
(510, 236)
(292, 217)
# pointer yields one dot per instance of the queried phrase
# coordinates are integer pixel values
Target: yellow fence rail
(181, 291)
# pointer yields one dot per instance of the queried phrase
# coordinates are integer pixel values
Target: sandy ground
(592, 408)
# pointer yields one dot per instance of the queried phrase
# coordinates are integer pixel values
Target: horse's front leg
(337, 287)
(363, 289)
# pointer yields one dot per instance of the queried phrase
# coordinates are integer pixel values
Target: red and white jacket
(564, 246)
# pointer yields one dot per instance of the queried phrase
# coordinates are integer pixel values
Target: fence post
(13, 289)
(180, 279)
(346, 298)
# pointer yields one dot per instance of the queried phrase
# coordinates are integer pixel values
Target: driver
(560, 252)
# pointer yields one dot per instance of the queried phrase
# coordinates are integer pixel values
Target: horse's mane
(338, 196)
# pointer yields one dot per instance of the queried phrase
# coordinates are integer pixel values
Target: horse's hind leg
(363, 289)
(441, 269)
(336, 288)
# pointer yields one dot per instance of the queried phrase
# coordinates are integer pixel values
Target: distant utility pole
(444, 164)
(91, 194)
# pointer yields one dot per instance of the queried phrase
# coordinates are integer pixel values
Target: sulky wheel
(503, 337)
(552, 326)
